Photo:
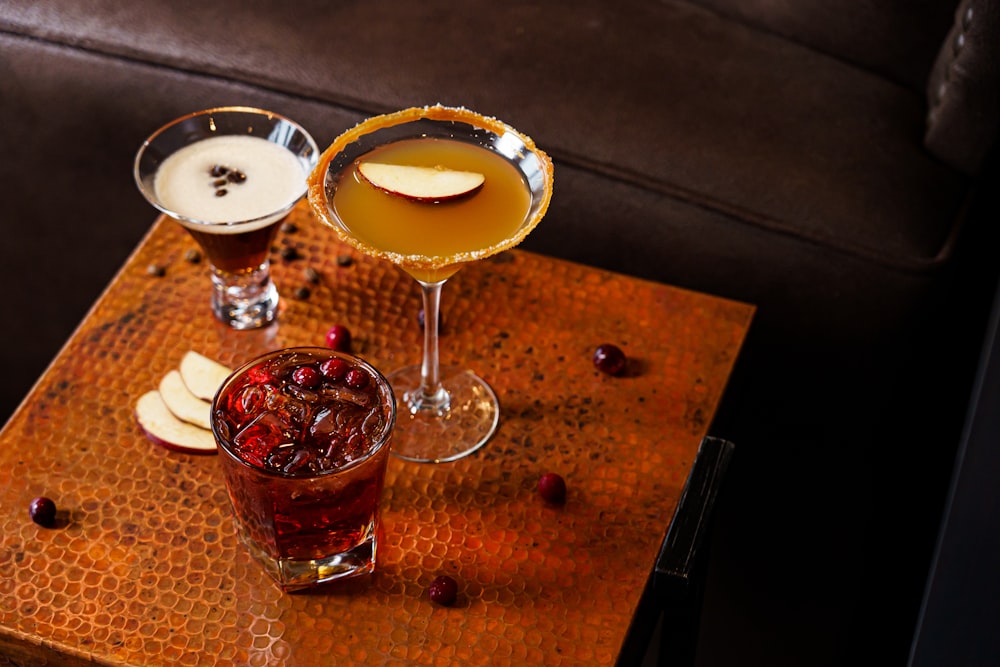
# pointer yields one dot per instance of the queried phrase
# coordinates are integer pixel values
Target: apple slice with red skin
(201, 375)
(185, 405)
(424, 184)
(165, 429)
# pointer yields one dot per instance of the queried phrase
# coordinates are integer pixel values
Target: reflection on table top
(144, 567)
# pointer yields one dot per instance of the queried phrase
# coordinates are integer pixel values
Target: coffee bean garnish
(344, 260)
(302, 293)
(192, 256)
(289, 227)
(312, 275)
(224, 175)
(289, 253)
(156, 270)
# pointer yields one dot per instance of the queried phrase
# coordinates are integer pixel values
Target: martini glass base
(437, 433)
(244, 300)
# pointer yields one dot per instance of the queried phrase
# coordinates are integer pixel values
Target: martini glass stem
(431, 396)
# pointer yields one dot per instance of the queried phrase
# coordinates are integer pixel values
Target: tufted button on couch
(831, 163)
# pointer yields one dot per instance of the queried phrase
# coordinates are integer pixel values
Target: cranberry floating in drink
(304, 437)
(230, 176)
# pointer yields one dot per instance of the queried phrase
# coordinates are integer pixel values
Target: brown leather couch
(831, 163)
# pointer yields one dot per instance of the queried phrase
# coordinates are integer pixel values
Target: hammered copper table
(144, 568)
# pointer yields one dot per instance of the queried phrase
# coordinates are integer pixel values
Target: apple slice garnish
(185, 405)
(426, 184)
(165, 429)
(201, 375)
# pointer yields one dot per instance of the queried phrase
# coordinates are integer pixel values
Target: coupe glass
(231, 195)
(444, 412)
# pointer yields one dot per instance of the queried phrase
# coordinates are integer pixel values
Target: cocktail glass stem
(431, 396)
(443, 413)
(244, 299)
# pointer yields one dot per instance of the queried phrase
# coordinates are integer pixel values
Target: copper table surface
(144, 568)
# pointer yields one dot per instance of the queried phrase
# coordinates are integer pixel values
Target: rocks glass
(304, 437)
(230, 175)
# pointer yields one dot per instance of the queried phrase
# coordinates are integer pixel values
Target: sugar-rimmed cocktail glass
(229, 176)
(445, 412)
(304, 435)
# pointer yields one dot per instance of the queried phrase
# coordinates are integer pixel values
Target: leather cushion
(690, 148)
(896, 38)
(665, 96)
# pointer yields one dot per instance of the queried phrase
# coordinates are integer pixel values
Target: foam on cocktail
(274, 180)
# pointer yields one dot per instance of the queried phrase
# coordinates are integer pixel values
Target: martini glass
(229, 176)
(444, 412)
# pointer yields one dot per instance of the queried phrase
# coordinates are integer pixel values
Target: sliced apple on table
(184, 404)
(201, 375)
(164, 428)
(426, 184)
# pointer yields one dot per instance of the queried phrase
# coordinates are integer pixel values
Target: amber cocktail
(431, 189)
(230, 176)
(304, 438)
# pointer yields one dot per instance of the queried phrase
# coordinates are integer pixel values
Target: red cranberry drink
(304, 436)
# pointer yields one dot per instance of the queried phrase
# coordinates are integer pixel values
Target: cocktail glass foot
(456, 420)
(245, 300)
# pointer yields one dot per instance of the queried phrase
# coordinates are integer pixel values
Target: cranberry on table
(338, 337)
(43, 511)
(552, 488)
(609, 358)
(443, 590)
